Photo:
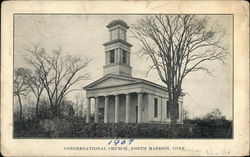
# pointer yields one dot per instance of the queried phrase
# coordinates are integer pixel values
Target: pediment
(111, 81)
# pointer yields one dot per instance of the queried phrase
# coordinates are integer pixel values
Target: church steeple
(117, 50)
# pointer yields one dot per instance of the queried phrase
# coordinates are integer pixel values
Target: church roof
(132, 80)
(117, 21)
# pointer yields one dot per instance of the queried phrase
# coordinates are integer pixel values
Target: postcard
(125, 78)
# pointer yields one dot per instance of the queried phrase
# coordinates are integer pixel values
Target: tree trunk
(21, 109)
(37, 104)
(171, 105)
(173, 101)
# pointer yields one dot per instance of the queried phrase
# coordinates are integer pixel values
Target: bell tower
(117, 50)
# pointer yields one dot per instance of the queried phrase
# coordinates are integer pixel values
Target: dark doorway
(101, 115)
(136, 114)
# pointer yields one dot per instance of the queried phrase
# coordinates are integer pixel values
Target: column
(127, 53)
(106, 56)
(118, 31)
(116, 108)
(127, 108)
(125, 35)
(88, 111)
(139, 106)
(119, 55)
(96, 110)
(106, 109)
(128, 58)
(110, 36)
(116, 55)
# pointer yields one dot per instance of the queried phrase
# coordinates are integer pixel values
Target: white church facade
(121, 98)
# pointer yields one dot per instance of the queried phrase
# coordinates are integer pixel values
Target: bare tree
(20, 87)
(57, 73)
(36, 86)
(178, 45)
(80, 103)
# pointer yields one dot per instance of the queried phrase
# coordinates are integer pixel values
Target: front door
(101, 115)
(136, 114)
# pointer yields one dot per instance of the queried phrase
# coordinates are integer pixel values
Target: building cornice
(116, 22)
(137, 81)
(115, 64)
(117, 40)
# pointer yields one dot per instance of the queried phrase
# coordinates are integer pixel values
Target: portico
(119, 110)
(116, 102)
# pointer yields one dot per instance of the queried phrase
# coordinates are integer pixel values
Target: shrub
(75, 127)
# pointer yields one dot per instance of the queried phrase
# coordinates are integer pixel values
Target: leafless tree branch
(57, 73)
(178, 45)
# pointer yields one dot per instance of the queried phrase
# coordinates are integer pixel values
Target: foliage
(66, 110)
(76, 127)
(215, 114)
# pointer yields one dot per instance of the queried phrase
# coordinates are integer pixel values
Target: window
(168, 110)
(112, 56)
(155, 107)
(124, 57)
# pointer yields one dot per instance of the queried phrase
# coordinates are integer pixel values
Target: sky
(83, 36)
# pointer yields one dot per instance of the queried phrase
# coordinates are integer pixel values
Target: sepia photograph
(124, 78)
(132, 76)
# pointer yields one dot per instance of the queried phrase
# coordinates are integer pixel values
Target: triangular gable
(111, 80)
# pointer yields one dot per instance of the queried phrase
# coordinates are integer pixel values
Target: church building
(121, 98)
